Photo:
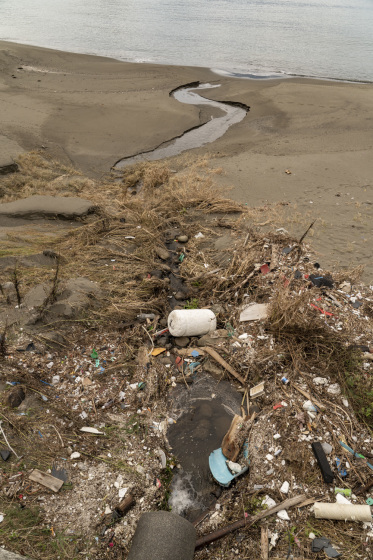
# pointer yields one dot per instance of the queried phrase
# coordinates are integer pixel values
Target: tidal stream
(198, 136)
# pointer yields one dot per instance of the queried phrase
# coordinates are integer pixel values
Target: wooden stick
(248, 521)
(305, 233)
(223, 363)
(264, 544)
(309, 397)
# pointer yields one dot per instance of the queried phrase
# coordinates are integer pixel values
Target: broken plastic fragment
(283, 514)
(257, 390)
(158, 351)
(89, 430)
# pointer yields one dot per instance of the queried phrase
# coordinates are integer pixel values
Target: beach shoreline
(91, 111)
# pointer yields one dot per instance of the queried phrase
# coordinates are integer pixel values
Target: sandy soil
(92, 111)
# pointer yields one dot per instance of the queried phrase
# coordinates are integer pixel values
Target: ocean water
(318, 38)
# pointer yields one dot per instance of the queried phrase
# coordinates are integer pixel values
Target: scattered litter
(334, 389)
(191, 322)
(326, 471)
(47, 480)
(257, 390)
(283, 514)
(254, 312)
(89, 430)
(157, 351)
(342, 512)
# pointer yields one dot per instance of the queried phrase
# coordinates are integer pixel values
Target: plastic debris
(254, 312)
(326, 471)
(157, 351)
(342, 512)
(344, 491)
(283, 514)
(89, 430)
(257, 390)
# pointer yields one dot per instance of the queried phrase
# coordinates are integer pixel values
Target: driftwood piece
(223, 363)
(125, 504)
(248, 521)
(46, 480)
(229, 445)
(365, 488)
(264, 544)
(236, 436)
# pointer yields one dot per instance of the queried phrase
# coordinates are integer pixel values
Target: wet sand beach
(92, 111)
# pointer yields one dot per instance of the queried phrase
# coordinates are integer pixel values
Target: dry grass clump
(310, 344)
(36, 172)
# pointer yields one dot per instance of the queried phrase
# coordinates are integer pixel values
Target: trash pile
(194, 286)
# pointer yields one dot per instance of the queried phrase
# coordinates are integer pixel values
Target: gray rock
(15, 397)
(217, 308)
(162, 253)
(6, 555)
(180, 296)
(183, 238)
(182, 341)
(208, 340)
(36, 296)
(48, 206)
(77, 295)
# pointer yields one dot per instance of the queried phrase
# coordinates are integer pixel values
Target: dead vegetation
(308, 331)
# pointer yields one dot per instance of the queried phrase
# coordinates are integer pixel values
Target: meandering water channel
(198, 136)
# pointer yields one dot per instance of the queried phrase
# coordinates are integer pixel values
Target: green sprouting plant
(191, 304)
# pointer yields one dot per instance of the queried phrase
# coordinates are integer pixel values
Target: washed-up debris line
(86, 401)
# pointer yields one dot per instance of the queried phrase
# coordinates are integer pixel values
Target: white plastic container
(191, 322)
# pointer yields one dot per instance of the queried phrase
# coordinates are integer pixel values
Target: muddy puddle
(196, 137)
(204, 412)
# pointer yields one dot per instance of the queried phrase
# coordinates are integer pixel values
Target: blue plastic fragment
(341, 470)
(194, 353)
(219, 468)
(358, 455)
(40, 434)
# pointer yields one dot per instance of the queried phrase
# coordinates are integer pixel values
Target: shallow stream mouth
(204, 412)
(197, 136)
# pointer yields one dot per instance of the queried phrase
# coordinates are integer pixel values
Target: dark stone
(156, 273)
(9, 167)
(182, 341)
(15, 397)
(5, 454)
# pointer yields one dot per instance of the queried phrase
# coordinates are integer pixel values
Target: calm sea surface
(322, 38)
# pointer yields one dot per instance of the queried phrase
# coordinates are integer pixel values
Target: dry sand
(92, 111)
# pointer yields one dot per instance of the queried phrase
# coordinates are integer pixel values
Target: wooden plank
(47, 480)
(223, 363)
